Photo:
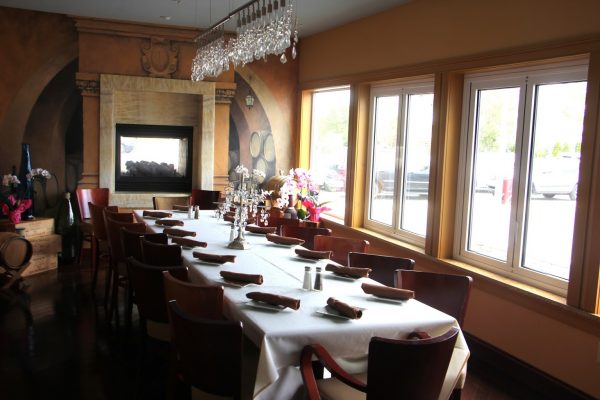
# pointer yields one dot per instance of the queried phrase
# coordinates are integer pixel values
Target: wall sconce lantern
(249, 100)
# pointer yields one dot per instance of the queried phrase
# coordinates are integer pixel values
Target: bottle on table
(65, 226)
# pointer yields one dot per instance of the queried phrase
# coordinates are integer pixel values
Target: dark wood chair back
(167, 203)
(160, 237)
(340, 246)
(147, 283)
(97, 196)
(113, 233)
(397, 368)
(445, 292)
(202, 301)
(208, 353)
(161, 254)
(205, 199)
(97, 217)
(409, 369)
(305, 233)
(383, 267)
(131, 243)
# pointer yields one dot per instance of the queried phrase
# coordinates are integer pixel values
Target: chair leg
(114, 299)
(129, 306)
(109, 279)
(95, 257)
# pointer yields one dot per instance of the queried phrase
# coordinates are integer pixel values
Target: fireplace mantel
(156, 101)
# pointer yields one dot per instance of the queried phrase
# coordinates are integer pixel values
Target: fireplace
(153, 158)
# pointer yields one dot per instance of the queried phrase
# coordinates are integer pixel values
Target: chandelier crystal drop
(263, 28)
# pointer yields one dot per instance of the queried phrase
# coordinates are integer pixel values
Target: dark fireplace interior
(153, 158)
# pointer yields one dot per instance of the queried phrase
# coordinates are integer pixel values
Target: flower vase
(290, 212)
(14, 216)
(26, 186)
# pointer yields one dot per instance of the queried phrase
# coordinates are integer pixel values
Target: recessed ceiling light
(166, 17)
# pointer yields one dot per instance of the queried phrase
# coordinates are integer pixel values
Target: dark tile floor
(55, 344)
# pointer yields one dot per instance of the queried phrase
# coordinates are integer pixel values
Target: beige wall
(426, 30)
(559, 340)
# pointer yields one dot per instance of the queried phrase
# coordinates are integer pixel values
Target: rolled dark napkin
(156, 214)
(387, 292)
(344, 308)
(316, 254)
(170, 222)
(261, 229)
(178, 232)
(216, 258)
(275, 299)
(180, 207)
(271, 237)
(229, 217)
(348, 271)
(239, 277)
(188, 242)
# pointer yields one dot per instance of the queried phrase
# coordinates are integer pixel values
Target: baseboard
(518, 378)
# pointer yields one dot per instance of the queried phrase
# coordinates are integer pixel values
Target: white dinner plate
(332, 275)
(330, 312)
(214, 264)
(259, 305)
(386, 300)
(238, 285)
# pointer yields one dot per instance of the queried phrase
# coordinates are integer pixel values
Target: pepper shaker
(196, 212)
(318, 280)
(307, 278)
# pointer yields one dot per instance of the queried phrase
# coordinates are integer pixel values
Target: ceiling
(313, 15)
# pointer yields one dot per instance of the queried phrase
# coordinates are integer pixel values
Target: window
(399, 153)
(521, 143)
(329, 146)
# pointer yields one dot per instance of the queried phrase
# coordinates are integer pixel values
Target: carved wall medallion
(87, 86)
(159, 58)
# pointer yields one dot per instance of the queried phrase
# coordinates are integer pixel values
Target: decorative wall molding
(160, 58)
(88, 87)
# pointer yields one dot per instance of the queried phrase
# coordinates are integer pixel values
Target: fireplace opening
(153, 158)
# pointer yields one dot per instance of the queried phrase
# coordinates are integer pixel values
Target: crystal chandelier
(264, 27)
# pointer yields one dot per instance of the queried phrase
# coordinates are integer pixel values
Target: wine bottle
(65, 226)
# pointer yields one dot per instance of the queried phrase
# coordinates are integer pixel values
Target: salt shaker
(307, 279)
(190, 212)
(318, 281)
(196, 212)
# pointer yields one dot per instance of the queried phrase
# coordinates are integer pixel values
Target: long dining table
(280, 334)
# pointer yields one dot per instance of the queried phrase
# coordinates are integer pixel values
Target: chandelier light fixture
(263, 28)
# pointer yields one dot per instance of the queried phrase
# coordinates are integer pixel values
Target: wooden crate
(46, 245)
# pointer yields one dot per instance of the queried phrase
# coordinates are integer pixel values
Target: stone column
(224, 93)
(89, 84)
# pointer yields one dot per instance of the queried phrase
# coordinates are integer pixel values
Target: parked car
(555, 176)
(417, 182)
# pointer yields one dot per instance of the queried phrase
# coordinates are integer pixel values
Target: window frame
(527, 78)
(403, 90)
(311, 141)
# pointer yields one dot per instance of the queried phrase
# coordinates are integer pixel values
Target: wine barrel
(15, 251)
(256, 144)
(269, 148)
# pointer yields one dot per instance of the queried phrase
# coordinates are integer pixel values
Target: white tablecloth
(281, 335)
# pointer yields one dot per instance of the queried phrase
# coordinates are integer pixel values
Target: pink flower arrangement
(299, 183)
(10, 204)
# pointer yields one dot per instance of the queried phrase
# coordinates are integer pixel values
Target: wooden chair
(202, 301)
(161, 254)
(207, 353)
(147, 283)
(305, 233)
(205, 199)
(340, 246)
(397, 369)
(167, 203)
(99, 197)
(118, 276)
(445, 292)
(383, 267)
(100, 238)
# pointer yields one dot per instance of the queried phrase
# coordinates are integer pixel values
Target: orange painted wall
(426, 30)
(35, 47)
(430, 30)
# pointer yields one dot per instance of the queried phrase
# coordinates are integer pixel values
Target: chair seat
(333, 389)
(86, 227)
(158, 330)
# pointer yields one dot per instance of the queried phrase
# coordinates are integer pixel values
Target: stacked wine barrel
(262, 150)
(15, 251)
